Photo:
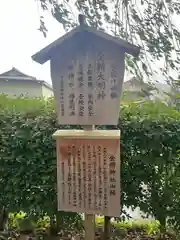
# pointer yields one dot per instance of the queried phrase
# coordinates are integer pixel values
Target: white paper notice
(89, 176)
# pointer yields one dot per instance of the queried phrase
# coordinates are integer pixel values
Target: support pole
(107, 227)
(89, 221)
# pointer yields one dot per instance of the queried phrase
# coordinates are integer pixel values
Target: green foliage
(43, 222)
(26, 225)
(149, 170)
(137, 229)
(25, 105)
(21, 221)
(150, 227)
(133, 229)
(14, 218)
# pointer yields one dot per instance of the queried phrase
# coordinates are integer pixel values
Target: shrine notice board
(86, 86)
(88, 172)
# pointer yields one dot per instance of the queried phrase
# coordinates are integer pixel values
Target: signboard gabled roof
(46, 53)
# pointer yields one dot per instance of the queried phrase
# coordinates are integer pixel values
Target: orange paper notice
(88, 173)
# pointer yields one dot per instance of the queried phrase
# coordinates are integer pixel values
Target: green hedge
(150, 141)
(138, 229)
(150, 227)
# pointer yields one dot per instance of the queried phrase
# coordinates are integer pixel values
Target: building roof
(135, 82)
(46, 53)
(16, 75)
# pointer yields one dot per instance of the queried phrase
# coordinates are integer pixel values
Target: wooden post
(89, 221)
(89, 225)
(107, 227)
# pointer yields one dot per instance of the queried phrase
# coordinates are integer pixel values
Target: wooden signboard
(87, 71)
(88, 173)
(87, 87)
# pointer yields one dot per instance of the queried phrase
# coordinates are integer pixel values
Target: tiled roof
(15, 74)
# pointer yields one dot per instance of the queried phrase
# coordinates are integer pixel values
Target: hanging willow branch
(147, 23)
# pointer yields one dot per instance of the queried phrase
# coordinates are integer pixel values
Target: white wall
(47, 92)
(16, 88)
